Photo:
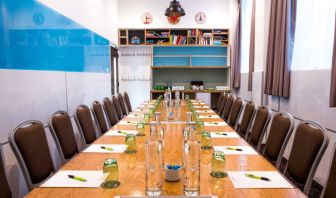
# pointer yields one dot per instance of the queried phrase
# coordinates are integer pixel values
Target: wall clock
(173, 19)
(200, 18)
(147, 18)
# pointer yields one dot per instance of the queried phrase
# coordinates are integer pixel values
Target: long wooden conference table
(132, 166)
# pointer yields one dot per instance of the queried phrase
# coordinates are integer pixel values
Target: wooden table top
(132, 167)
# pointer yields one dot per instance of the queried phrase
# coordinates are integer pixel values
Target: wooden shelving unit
(174, 37)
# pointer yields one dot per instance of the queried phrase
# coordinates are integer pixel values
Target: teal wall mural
(35, 37)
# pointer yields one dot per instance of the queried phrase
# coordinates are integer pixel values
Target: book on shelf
(193, 32)
(178, 40)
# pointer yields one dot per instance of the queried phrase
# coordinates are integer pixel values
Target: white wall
(100, 16)
(218, 13)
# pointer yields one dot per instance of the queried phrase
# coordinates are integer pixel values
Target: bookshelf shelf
(168, 37)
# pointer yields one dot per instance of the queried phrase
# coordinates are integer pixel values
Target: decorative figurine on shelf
(135, 40)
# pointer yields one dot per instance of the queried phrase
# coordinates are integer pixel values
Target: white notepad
(215, 124)
(205, 111)
(145, 106)
(97, 148)
(245, 150)
(123, 122)
(202, 107)
(240, 180)
(136, 115)
(61, 180)
(120, 132)
(221, 134)
(209, 116)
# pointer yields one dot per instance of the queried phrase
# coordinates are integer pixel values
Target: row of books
(155, 34)
(178, 40)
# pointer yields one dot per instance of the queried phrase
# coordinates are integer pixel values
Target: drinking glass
(146, 117)
(130, 141)
(199, 126)
(110, 174)
(218, 165)
(157, 117)
(154, 168)
(141, 128)
(189, 117)
(206, 140)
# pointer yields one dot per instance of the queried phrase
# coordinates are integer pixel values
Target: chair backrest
(259, 127)
(280, 131)
(111, 112)
(5, 190)
(329, 190)
(29, 143)
(309, 145)
(249, 111)
(98, 113)
(122, 104)
(221, 107)
(219, 102)
(235, 112)
(117, 107)
(85, 124)
(61, 130)
(227, 107)
(128, 102)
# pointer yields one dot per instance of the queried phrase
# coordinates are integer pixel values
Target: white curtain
(313, 44)
(245, 34)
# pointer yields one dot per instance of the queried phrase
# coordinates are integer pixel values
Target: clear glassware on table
(110, 174)
(154, 163)
(191, 163)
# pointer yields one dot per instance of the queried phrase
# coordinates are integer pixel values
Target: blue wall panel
(34, 37)
(159, 50)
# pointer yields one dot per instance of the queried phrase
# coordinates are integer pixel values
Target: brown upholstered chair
(98, 113)
(248, 114)
(111, 112)
(280, 131)
(85, 124)
(261, 119)
(5, 191)
(30, 146)
(235, 112)
(309, 144)
(329, 190)
(63, 134)
(117, 107)
(219, 102)
(128, 102)
(227, 107)
(221, 107)
(122, 104)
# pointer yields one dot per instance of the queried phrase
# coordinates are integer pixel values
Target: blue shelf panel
(209, 61)
(175, 50)
(171, 61)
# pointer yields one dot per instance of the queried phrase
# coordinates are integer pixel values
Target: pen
(77, 178)
(106, 148)
(234, 149)
(213, 122)
(257, 177)
(221, 133)
(131, 122)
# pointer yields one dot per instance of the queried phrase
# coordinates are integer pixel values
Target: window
(313, 44)
(245, 34)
